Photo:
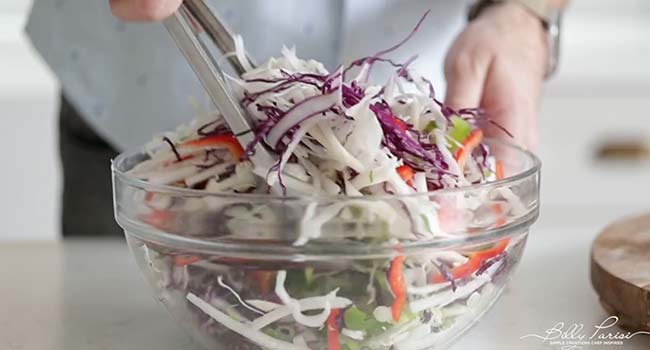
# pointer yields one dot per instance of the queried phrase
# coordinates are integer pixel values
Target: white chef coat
(129, 81)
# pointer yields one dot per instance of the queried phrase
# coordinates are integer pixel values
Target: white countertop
(88, 295)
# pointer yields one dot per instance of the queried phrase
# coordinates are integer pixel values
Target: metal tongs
(191, 19)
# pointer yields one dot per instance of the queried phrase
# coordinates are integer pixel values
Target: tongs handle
(223, 38)
(182, 26)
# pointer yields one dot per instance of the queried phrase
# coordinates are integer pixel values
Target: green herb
(429, 127)
(309, 275)
(383, 232)
(297, 282)
(406, 316)
(349, 343)
(459, 131)
(281, 332)
(358, 320)
(355, 319)
(381, 280)
(356, 211)
(447, 322)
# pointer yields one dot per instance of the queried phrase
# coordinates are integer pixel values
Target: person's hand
(143, 10)
(498, 63)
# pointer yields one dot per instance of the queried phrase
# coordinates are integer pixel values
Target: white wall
(603, 88)
(29, 180)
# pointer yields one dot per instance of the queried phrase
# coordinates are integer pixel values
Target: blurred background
(600, 95)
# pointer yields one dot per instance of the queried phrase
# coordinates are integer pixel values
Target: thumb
(465, 81)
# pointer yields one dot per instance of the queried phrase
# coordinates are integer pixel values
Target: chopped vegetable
(228, 142)
(356, 319)
(263, 280)
(397, 286)
(468, 145)
(459, 132)
(498, 170)
(430, 127)
(309, 275)
(182, 260)
(350, 344)
(333, 342)
(473, 264)
(256, 336)
(498, 212)
(173, 148)
(406, 173)
(399, 123)
(158, 218)
(491, 252)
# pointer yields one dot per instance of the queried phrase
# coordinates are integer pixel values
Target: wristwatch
(551, 17)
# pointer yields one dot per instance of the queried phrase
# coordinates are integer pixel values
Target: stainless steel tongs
(185, 26)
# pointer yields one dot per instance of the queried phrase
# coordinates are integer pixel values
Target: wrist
(520, 16)
(514, 13)
(544, 10)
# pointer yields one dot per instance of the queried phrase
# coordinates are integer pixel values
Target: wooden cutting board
(620, 271)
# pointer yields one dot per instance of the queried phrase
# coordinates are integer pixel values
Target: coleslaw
(336, 134)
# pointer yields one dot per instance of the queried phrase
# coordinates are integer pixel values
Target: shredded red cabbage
(173, 147)
(489, 262)
(352, 94)
(402, 144)
(219, 129)
(372, 59)
(446, 274)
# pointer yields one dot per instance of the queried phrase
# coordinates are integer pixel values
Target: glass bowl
(256, 271)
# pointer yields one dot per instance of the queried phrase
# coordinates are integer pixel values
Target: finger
(143, 10)
(465, 74)
(509, 101)
(517, 123)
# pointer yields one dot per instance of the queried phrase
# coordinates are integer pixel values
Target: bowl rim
(532, 159)
(323, 250)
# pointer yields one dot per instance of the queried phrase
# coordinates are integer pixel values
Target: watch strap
(543, 9)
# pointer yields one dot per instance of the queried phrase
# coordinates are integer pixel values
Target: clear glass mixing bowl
(228, 269)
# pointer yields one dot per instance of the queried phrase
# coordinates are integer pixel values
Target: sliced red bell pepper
(474, 262)
(182, 260)
(224, 141)
(397, 286)
(498, 170)
(448, 216)
(491, 252)
(159, 219)
(263, 280)
(400, 124)
(498, 212)
(460, 271)
(333, 342)
(469, 144)
(406, 173)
